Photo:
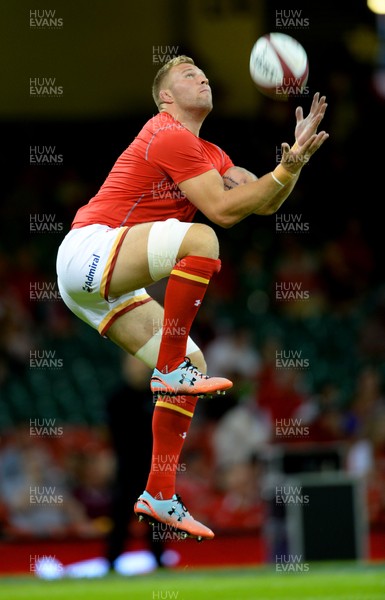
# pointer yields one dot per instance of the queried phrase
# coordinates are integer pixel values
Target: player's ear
(165, 96)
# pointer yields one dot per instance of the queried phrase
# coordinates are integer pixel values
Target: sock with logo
(185, 291)
(170, 424)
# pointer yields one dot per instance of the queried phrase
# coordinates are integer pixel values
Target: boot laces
(178, 499)
(188, 366)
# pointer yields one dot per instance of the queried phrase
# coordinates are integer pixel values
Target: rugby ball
(279, 66)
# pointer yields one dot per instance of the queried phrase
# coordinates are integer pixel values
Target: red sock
(170, 424)
(185, 290)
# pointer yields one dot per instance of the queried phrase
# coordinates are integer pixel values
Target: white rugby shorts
(84, 266)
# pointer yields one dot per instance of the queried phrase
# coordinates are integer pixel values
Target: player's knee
(200, 240)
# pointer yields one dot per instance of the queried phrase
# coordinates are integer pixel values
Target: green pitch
(326, 582)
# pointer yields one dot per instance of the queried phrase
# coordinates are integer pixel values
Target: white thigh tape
(164, 241)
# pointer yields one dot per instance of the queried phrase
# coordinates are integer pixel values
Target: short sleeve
(179, 154)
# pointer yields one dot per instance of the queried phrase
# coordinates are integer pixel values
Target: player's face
(190, 88)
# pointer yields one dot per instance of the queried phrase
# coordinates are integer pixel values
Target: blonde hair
(163, 72)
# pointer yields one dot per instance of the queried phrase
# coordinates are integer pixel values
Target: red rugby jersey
(142, 186)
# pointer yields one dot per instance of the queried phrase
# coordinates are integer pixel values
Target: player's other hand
(308, 140)
(293, 159)
(306, 127)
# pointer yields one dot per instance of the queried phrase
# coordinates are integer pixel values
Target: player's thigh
(132, 330)
(131, 268)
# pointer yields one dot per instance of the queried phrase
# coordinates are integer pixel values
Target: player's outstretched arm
(226, 207)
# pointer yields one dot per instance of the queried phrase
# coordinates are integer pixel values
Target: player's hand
(306, 127)
(293, 159)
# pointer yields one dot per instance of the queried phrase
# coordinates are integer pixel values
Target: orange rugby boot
(187, 380)
(172, 512)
